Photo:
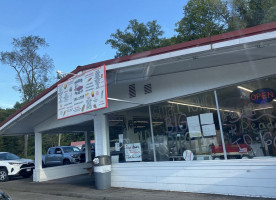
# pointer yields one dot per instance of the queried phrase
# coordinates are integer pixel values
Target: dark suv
(82, 155)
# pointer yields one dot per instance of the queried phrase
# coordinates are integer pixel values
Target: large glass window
(250, 128)
(187, 123)
(130, 135)
(190, 125)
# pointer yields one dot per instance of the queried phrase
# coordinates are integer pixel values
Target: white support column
(87, 147)
(38, 157)
(101, 131)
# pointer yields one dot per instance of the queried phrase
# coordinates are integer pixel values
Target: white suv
(12, 165)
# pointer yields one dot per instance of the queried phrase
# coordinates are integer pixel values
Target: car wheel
(3, 175)
(66, 162)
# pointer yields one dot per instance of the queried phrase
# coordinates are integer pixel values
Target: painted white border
(29, 108)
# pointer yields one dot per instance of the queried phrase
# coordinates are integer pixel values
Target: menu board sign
(133, 152)
(82, 93)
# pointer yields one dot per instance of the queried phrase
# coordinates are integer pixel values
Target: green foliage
(32, 70)
(12, 144)
(15, 144)
(51, 140)
(137, 37)
(248, 13)
(270, 15)
(18, 105)
(202, 18)
(4, 113)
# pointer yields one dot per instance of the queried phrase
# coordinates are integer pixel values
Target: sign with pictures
(82, 93)
(133, 152)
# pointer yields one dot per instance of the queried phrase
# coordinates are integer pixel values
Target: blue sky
(76, 30)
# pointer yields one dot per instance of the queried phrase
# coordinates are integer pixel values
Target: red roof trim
(185, 45)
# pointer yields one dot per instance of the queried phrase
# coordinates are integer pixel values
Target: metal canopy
(212, 58)
(233, 54)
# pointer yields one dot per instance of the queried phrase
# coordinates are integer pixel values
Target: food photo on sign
(83, 93)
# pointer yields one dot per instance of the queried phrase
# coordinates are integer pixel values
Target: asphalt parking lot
(82, 187)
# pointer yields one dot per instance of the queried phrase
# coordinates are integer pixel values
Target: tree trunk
(59, 138)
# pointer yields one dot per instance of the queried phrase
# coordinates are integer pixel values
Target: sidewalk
(82, 187)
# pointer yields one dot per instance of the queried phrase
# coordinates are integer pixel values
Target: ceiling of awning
(81, 127)
(26, 123)
(212, 58)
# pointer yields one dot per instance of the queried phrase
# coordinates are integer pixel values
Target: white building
(172, 96)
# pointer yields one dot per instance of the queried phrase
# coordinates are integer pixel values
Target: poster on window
(194, 126)
(121, 138)
(82, 93)
(206, 118)
(209, 130)
(117, 146)
(133, 152)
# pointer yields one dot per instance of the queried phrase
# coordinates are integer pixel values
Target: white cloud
(6, 105)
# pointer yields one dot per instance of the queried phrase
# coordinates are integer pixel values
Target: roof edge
(263, 28)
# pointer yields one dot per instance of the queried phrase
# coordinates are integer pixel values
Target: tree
(270, 15)
(137, 37)
(248, 13)
(202, 18)
(32, 70)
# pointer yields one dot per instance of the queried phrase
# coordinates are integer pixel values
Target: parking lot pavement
(82, 187)
(15, 195)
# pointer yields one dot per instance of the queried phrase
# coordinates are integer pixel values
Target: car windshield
(70, 149)
(8, 156)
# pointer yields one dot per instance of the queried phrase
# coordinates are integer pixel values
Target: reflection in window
(188, 123)
(249, 130)
(130, 129)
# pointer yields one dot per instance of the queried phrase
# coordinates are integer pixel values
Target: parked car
(4, 196)
(82, 155)
(63, 155)
(12, 165)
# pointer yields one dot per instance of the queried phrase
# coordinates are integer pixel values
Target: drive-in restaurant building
(198, 116)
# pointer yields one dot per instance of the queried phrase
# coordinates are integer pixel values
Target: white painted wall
(51, 173)
(252, 177)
